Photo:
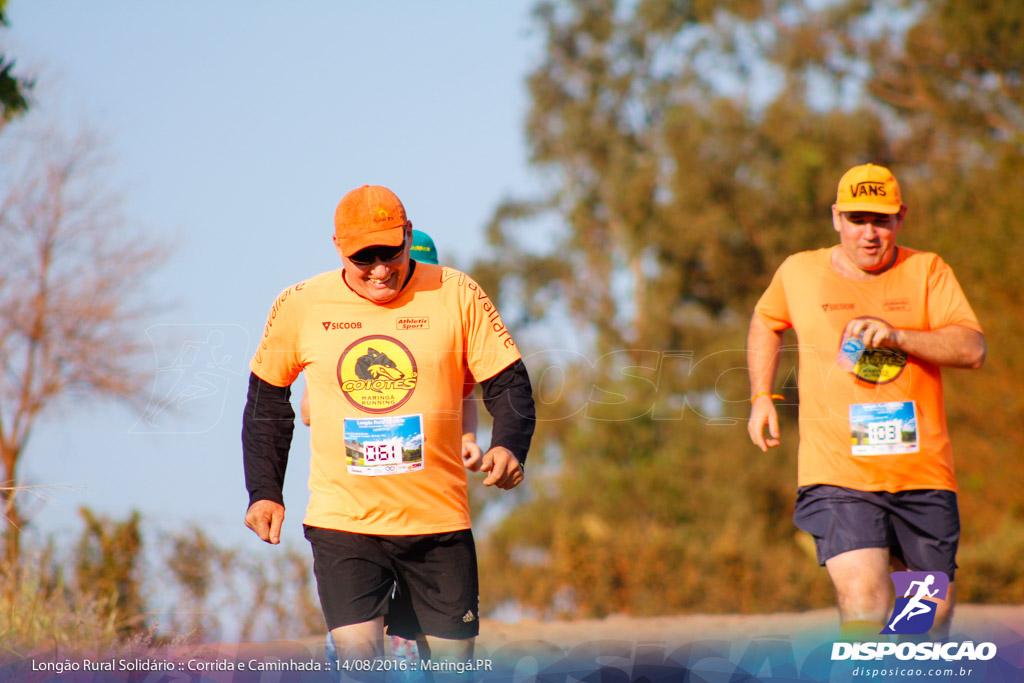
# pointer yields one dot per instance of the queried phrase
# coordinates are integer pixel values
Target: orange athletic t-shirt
(881, 426)
(385, 388)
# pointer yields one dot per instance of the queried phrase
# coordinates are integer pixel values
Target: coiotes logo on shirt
(880, 365)
(377, 374)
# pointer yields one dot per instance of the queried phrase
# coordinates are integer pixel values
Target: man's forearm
(267, 425)
(508, 397)
(763, 346)
(953, 346)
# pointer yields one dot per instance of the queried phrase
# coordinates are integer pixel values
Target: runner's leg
(864, 591)
(364, 640)
(944, 615)
(927, 526)
(446, 648)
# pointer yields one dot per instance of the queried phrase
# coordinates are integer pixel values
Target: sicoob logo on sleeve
(377, 374)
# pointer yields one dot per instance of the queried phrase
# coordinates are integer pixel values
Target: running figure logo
(914, 613)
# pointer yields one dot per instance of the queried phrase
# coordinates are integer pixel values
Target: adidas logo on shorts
(469, 616)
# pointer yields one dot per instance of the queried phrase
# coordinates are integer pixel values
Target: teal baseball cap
(423, 249)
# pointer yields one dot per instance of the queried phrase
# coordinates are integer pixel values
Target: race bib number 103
(883, 428)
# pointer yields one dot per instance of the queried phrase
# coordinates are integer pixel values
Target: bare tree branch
(71, 271)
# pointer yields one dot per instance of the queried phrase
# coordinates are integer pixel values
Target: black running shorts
(420, 584)
(921, 527)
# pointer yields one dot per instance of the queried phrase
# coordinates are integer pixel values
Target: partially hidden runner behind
(875, 323)
(385, 343)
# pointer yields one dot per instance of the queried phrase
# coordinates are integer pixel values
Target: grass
(39, 613)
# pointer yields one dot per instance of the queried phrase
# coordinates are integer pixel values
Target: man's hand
(873, 332)
(763, 411)
(472, 456)
(503, 468)
(265, 517)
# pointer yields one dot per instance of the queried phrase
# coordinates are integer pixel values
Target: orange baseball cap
(869, 188)
(369, 216)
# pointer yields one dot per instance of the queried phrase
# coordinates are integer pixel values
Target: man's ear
(900, 216)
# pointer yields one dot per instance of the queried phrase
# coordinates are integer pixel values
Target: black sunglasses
(370, 255)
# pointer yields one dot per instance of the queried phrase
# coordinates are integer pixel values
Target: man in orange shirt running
(385, 343)
(422, 250)
(875, 323)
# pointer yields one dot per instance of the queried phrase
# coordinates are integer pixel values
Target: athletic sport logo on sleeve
(916, 595)
(377, 374)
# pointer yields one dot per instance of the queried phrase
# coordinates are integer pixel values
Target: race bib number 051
(377, 446)
(884, 428)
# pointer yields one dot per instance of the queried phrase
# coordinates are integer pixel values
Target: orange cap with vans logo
(869, 188)
(369, 216)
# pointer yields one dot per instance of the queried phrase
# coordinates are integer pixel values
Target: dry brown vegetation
(107, 595)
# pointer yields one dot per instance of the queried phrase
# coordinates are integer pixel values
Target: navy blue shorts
(420, 584)
(921, 528)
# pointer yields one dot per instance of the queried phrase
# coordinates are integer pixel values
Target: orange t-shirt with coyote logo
(385, 388)
(880, 426)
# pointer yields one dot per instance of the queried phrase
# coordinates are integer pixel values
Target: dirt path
(974, 620)
(711, 648)
(555, 638)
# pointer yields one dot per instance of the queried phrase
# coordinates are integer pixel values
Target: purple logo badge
(916, 595)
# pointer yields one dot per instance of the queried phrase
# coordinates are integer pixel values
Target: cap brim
(389, 237)
(424, 256)
(867, 206)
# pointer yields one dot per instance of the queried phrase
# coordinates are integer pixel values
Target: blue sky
(235, 127)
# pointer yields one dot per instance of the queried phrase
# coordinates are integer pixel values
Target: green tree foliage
(689, 147)
(13, 89)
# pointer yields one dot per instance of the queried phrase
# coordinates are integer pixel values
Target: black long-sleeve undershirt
(267, 426)
(508, 397)
(269, 420)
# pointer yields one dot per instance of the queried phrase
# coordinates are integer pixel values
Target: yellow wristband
(766, 393)
(471, 437)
